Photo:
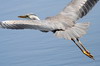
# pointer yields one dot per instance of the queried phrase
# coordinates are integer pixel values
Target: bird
(63, 25)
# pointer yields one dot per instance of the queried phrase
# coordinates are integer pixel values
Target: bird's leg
(85, 51)
(77, 45)
(81, 45)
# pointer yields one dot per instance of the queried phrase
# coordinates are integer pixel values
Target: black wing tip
(0, 22)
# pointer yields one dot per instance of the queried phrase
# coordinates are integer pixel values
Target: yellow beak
(22, 16)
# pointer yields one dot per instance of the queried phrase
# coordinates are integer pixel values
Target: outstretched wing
(78, 8)
(32, 24)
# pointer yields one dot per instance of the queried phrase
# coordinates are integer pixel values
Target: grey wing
(78, 8)
(31, 24)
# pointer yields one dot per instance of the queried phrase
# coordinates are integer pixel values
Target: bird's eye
(27, 16)
(34, 19)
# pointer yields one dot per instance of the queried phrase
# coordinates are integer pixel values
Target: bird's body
(63, 25)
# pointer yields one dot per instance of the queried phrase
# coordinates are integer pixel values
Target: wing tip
(0, 22)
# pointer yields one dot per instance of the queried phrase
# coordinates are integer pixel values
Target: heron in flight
(63, 25)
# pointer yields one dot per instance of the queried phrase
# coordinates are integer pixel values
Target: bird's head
(30, 16)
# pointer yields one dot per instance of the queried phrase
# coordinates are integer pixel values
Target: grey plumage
(78, 8)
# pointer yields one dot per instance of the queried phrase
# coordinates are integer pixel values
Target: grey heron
(63, 25)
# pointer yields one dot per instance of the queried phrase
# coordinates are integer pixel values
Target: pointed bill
(22, 16)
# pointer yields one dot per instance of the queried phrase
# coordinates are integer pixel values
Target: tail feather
(77, 31)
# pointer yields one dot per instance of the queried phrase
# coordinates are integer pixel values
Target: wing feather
(32, 24)
(78, 8)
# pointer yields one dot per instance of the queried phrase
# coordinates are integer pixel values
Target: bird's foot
(87, 53)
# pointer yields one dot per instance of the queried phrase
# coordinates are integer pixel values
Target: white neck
(34, 17)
